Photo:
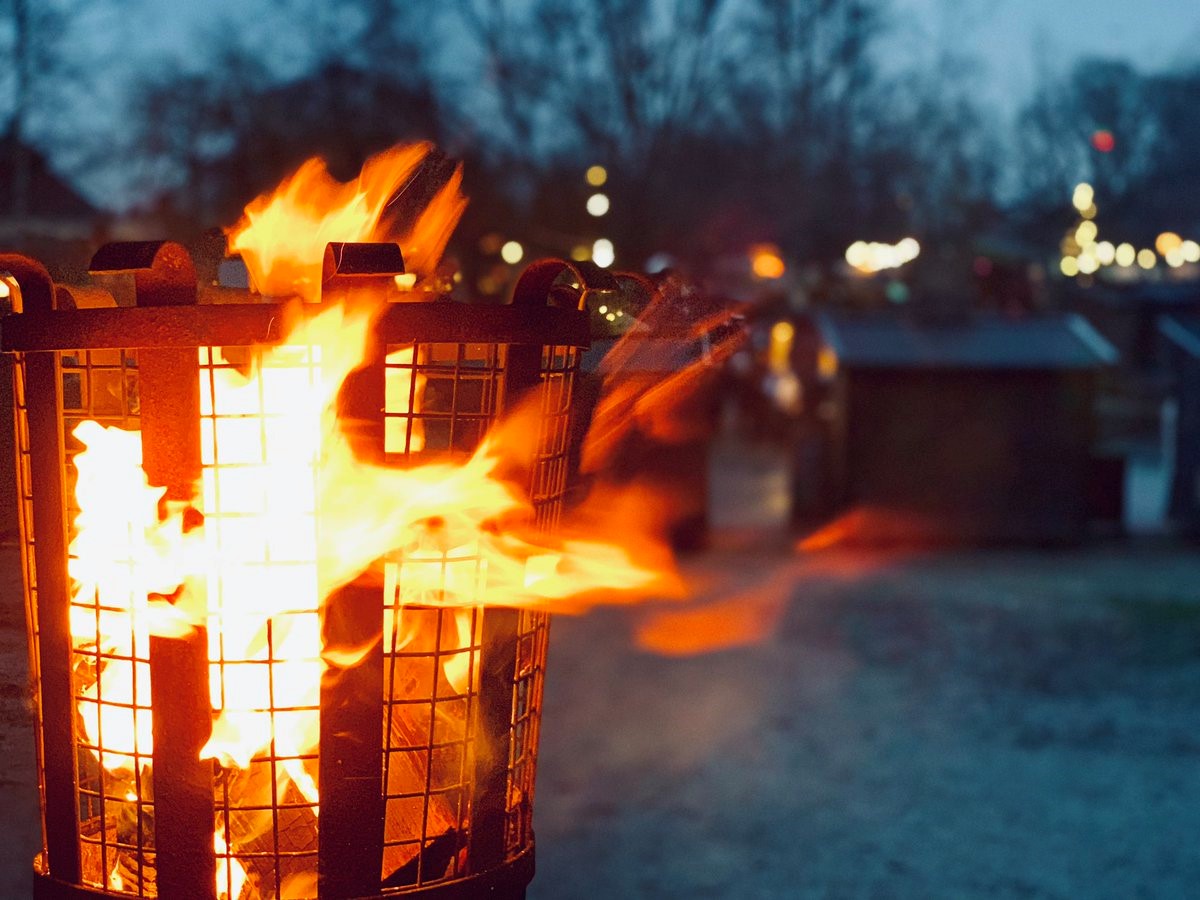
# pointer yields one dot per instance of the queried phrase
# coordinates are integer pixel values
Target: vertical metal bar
(43, 392)
(498, 651)
(497, 675)
(493, 738)
(497, 671)
(350, 838)
(169, 389)
(350, 847)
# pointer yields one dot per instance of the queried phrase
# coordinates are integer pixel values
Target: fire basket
(427, 742)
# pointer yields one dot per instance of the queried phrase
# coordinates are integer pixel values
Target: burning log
(432, 863)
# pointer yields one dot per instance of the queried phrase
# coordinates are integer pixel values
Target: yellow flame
(283, 234)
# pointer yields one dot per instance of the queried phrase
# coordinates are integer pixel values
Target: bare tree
(1145, 178)
(211, 139)
(37, 64)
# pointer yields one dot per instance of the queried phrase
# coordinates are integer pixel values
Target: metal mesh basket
(428, 745)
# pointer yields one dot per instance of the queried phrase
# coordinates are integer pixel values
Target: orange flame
(283, 234)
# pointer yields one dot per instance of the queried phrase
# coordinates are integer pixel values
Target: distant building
(54, 210)
(1182, 340)
(967, 429)
(57, 225)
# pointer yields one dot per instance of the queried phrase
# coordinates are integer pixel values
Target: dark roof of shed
(1174, 295)
(1183, 331)
(987, 341)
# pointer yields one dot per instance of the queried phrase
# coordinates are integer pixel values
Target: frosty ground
(1004, 723)
(1000, 724)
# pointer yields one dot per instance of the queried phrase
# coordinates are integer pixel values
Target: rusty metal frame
(233, 324)
(164, 277)
(56, 703)
(507, 883)
(167, 326)
(350, 842)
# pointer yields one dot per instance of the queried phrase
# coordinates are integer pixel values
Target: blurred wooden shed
(1181, 335)
(966, 429)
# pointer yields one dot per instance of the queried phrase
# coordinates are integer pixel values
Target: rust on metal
(170, 426)
(43, 392)
(161, 269)
(349, 260)
(167, 326)
(350, 850)
(240, 324)
(535, 286)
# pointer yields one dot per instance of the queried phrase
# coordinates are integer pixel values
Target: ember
(307, 602)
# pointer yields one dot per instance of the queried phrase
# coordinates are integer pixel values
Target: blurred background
(939, 515)
(801, 161)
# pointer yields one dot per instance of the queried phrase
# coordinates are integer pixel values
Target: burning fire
(283, 234)
(286, 513)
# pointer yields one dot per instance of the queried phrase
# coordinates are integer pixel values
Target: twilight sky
(1005, 35)
(1008, 38)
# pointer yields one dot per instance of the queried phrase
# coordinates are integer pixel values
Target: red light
(1103, 140)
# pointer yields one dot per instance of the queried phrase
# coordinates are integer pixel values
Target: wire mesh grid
(533, 632)
(263, 609)
(110, 660)
(431, 660)
(560, 367)
(440, 401)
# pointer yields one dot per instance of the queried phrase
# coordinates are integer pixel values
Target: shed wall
(971, 455)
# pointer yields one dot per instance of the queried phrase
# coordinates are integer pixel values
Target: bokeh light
(512, 252)
(1166, 242)
(875, 257)
(1146, 259)
(766, 262)
(1083, 196)
(596, 175)
(780, 351)
(597, 204)
(1103, 140)
(603, 253)
(1125, 255)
